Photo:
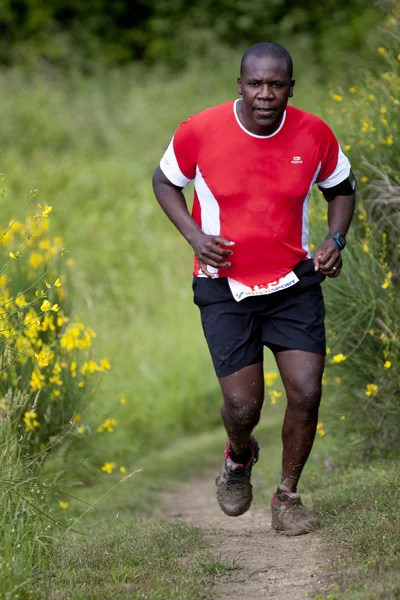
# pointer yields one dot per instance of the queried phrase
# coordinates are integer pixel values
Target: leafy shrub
(46, 366)
(364, 303)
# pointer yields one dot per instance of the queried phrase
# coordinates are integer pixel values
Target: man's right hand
(209, 252)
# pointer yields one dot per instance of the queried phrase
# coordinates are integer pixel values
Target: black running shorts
(291, 319)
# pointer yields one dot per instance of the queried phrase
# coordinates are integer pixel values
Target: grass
(359, 505)
(147, 560)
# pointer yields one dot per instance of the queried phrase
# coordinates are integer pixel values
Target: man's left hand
(328, 259)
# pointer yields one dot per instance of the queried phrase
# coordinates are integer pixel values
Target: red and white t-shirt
(254, 190)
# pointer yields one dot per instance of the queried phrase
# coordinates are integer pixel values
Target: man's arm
(206, 247)
(327, 257)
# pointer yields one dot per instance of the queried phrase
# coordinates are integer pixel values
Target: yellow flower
(270, 378)
(58, 282)
(81, 384)
(389, 140)
(383, 336)
(20, 301)
(371, 97)
(35, 260)
(122, 470)
(371, 389)
(342, 418)
(30, 421)
(352, 90)
(347, 148)
(108, 467)
(372, 146)
(385, 284)
(46, 209)
(320, 429)
(338, 358)
(46, 305)
(12, 255)
(44, 357)
(56, 379)
(105, 364)
(122, 399)
(364, 179)
(34, 192)
(64, 505)
(337, 98)
(73, 368)
(387, 364)
(365, 246)
(382, 51)
(328, 350)
(108, 424)
(80, 429)
(37, 380)
(274, 395)
(76, 418)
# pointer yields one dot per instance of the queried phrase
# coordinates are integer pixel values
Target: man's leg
(301, 374)
(243, 395)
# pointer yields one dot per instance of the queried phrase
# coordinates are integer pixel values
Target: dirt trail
(269, 565)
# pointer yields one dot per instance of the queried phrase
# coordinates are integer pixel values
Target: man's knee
(305, 401)
(245, 411)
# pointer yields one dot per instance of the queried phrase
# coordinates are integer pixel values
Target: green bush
(364, 303)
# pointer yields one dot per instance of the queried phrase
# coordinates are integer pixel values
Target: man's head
(265, 84)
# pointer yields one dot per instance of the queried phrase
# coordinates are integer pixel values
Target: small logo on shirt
(296, 160)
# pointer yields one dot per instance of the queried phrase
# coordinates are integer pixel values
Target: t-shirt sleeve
(180, 159)
(335, 166)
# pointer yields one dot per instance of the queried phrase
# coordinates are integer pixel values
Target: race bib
(241, 291)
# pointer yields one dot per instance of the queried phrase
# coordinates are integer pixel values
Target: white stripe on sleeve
(169, 166)
(341, 172)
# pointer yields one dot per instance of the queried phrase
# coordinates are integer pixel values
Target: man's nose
(265, 91)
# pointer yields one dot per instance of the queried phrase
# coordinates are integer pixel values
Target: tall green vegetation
(364, 303)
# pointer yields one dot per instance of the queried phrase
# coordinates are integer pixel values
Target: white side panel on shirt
(169, 166)
(210, 221)
(304, 227)
(341, 172)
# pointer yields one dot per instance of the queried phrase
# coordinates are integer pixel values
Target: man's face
(265, 87)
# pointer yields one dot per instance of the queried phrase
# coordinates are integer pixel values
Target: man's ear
(239, 86)
(291, 91)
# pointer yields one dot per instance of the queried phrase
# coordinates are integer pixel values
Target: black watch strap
(339, 239)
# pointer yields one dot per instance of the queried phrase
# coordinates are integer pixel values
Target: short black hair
(268, 49)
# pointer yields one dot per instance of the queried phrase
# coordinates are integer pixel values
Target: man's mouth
(264, 112)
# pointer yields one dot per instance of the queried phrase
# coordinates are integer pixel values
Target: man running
(254, 162)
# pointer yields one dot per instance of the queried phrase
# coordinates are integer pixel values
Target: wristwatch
(339, 239)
